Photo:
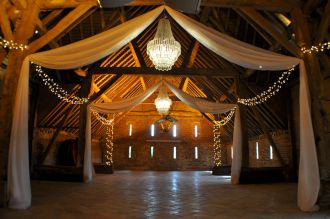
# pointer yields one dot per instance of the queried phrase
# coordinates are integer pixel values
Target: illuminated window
(130, 129)
(232, 152)
(174, 130)
(271, 152)
(257, 150)
(130, 152)
(196, 130)
(152, 130)
(196, 152)
(174, 152)
(152, 151)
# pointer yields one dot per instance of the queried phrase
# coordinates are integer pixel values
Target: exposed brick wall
(283, 142)
(163, 143)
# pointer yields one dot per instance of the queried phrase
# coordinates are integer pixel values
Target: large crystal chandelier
(163, 50)
(163, 102)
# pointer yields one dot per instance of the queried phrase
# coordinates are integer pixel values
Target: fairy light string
(271, 91)
(57, 90)
(217, 147)
(315, 49)
(108, 155)
(10, 44)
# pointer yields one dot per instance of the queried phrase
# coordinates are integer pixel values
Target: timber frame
(198, 71)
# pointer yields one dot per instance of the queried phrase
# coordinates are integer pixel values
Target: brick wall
(283, 142)
(163, 143)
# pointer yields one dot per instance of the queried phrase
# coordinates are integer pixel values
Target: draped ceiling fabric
(94, 48)
(127, 104)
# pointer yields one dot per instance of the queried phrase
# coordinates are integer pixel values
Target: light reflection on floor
(147, 194)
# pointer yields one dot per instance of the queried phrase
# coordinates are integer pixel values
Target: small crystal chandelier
(163, 102)
(163, 50)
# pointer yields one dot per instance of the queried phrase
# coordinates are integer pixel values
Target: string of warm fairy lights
(57, 90)
(10, 44)
(225, 120)
(271, 91)
(315, 49)
(101, 119)
(109, 145)
(109, 137)
(217, 151)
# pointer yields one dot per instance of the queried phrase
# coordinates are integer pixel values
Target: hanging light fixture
(163, 50)
(163, 102)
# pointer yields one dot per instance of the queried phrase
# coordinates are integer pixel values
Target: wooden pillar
(245, 139)
(24, 29)
(316, 84)
(84, 92)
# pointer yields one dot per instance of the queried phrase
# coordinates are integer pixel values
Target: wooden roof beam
(269, 28)
(324, 26)
(269, 5)
(56, 4)
(224, 73)
(5, 21)
(60, 27)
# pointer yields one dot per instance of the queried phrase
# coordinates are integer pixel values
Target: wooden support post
(84, 92)
(245, 139)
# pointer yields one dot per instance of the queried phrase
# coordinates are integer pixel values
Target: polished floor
(127, 194)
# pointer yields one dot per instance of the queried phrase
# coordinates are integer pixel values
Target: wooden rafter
(269, 28)
(61, 26)
(225, 73)
(324, 26)
(5, 21)
(56, 4)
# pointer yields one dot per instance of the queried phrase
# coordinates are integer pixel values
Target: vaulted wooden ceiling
(198, 71)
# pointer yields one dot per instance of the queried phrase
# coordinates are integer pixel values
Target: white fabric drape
(89, 50)
(309, 178)
(236, 164)
(19, 189)
(67, 57)
(108, 108)
(253, 57)
(199, 104)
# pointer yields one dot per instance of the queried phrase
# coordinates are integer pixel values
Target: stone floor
(127, 194)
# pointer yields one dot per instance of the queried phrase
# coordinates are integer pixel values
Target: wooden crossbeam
(5, 22)
(269, 5)
(105, 87)
(55, 4)
(324, 25)
(60, 27)
(174, 71)
(269, 28)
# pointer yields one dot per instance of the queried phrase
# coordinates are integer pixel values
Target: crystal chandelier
(163, 50)
(163, 102)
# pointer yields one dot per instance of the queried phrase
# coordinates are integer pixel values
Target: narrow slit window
(174, 152)
(130, 129)
(174, 130)
(196, 131)
(232, 152)
(152, 151)
(196, 152)
(152, 130)
(257, 150)
(130, 152)
(271, 152)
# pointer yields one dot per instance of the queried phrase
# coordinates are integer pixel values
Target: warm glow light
(130, 129)
(152, 151)
(196, 153)
(271, 152)
(152, 130)
(174, 130)
(163, 102)
(174, 152)
(130, 152)
(163, 50)
(257, 150)
(196, 131)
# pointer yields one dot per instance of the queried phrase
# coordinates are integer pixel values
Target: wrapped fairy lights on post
(217, 147)
(108, 155)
